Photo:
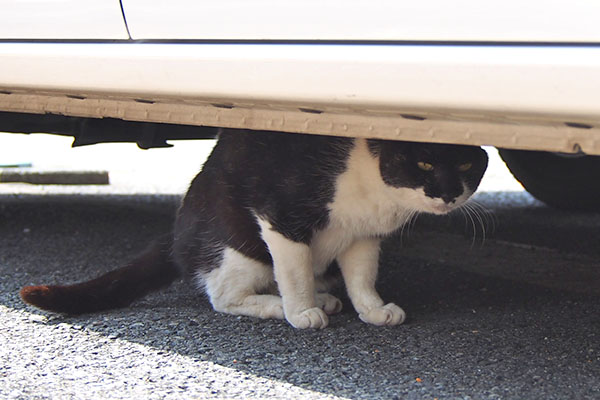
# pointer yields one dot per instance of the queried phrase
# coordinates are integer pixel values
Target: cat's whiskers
(413, 219)
(466, 212)
(488, 216)
(478, 215)
(480, 220)
(410, 217)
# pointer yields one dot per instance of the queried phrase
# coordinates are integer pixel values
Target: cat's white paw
(312, 318)
(328, 303)
(389, 314)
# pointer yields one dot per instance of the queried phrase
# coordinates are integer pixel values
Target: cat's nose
(448, 199)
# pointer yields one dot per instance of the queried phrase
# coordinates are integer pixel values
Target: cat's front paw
(328, 303)
(311, 318)
(389, 314)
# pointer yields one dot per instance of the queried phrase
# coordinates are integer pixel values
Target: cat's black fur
(288, 181)
(288, 177)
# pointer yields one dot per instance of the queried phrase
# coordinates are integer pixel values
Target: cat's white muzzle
(439, 206)
(443, 208)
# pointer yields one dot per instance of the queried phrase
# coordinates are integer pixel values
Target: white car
(518, 75)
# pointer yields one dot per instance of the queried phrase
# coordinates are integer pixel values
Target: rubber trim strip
(312, 42)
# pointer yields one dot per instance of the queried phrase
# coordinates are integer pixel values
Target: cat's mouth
(440, 207)
(443, 208)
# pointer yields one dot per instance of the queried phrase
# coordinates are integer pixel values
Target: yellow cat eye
(465, 167)
(425, 166)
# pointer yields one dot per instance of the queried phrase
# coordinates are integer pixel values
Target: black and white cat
(269, 215)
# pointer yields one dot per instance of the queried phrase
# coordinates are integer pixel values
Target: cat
(273, 215)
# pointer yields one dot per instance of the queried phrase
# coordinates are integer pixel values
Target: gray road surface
(510, 316)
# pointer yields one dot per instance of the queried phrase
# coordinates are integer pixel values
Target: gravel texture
(482, 324)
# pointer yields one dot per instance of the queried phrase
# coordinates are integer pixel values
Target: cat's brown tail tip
(36, 295)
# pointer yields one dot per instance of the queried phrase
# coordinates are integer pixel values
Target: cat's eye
(465, 167)
(425, 166)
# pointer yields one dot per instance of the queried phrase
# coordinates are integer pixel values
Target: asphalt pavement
(501, 306)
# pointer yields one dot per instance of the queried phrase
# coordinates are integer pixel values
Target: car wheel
(565, 181)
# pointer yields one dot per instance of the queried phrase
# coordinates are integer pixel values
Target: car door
(464, 21)
(62, 20)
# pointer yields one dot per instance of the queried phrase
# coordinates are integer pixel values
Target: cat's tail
(151, 270)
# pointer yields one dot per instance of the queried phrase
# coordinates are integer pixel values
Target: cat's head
(442, 176)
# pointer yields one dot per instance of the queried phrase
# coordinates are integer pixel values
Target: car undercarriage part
(103, 130)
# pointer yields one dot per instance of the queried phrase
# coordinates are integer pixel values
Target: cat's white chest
(363, 206)
(363, 203)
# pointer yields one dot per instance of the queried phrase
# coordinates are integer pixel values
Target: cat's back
(253, 152)
(283, 177)
(278, 165)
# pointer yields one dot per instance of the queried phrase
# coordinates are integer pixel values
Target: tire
(567, 182)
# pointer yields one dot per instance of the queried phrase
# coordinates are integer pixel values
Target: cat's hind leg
(328, 303)
(236, 286)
